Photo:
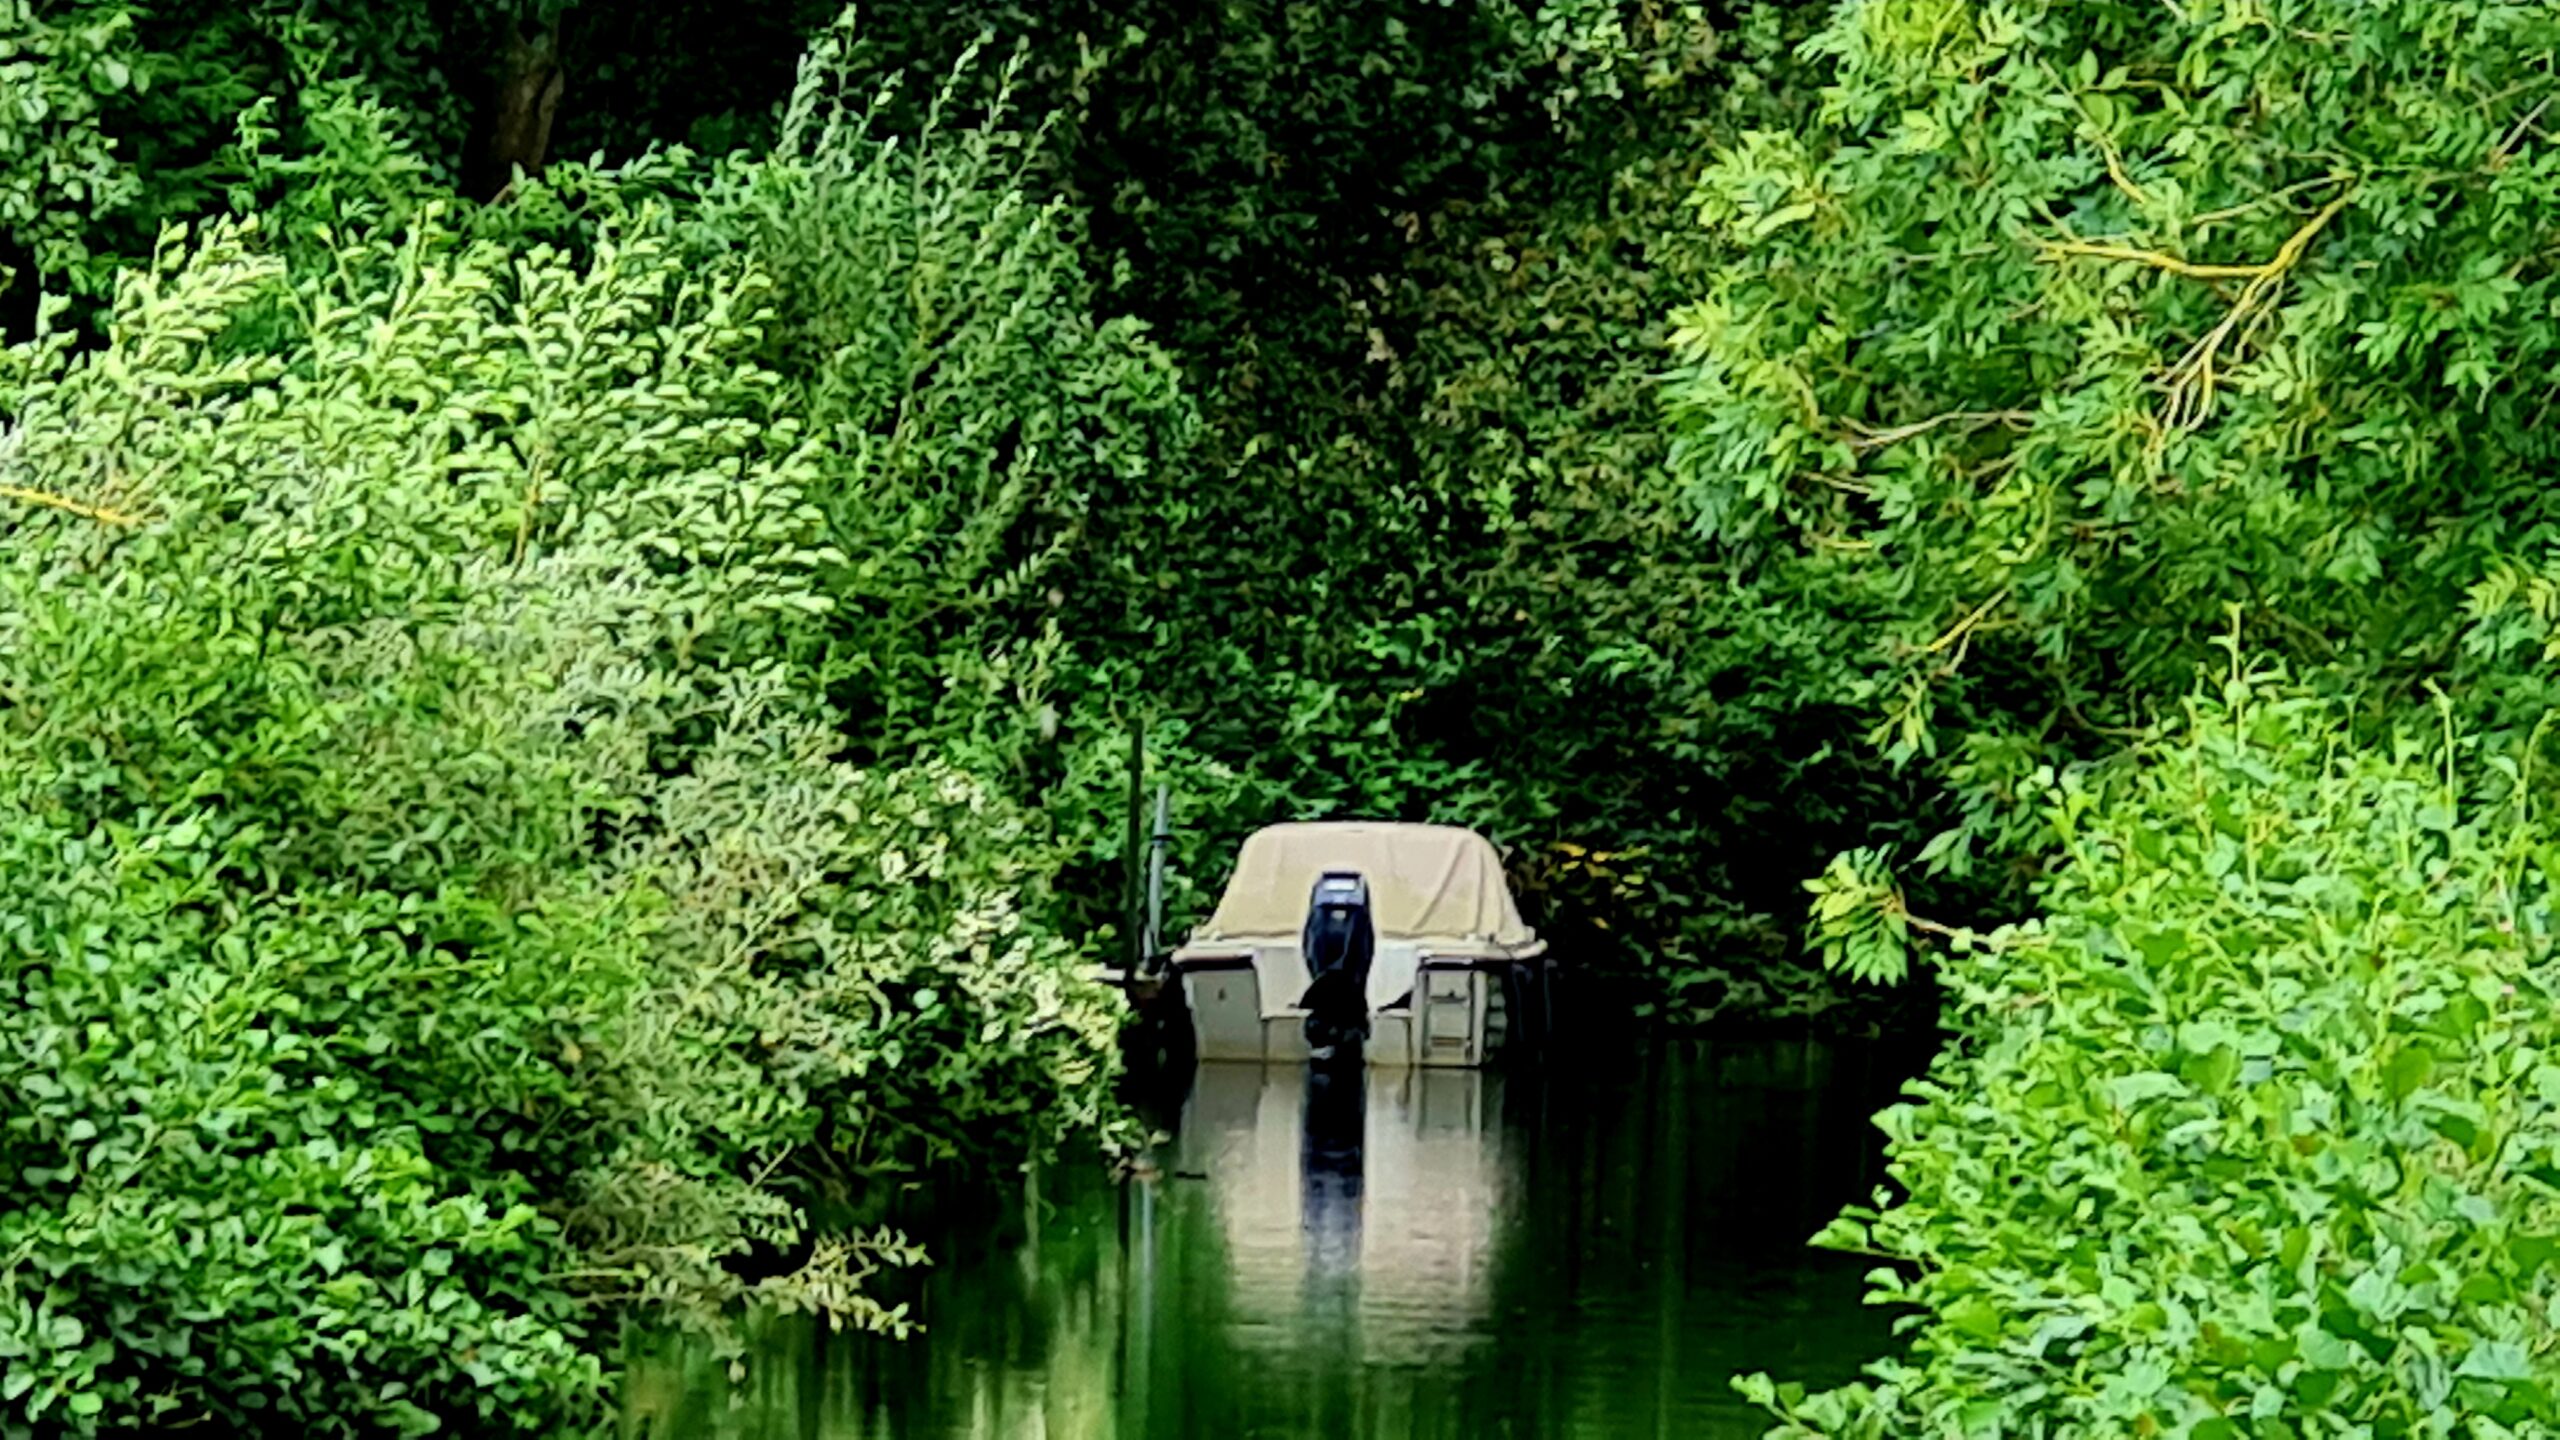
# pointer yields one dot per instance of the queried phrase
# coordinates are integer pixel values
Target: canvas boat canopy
(1435, 890)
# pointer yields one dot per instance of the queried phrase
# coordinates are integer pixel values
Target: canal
(1592, 1250)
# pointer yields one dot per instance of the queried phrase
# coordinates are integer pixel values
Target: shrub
(438, 904)
(2253, 1133)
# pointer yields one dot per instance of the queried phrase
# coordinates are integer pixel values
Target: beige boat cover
(1426, 882)
(1433, 890)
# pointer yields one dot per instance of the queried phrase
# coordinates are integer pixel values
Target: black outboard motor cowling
(1337, 944)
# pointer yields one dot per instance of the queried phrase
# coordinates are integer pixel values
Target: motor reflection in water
(1378, 1253)
(1329, 1171)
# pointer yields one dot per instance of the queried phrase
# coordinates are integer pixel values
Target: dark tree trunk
(513, 131)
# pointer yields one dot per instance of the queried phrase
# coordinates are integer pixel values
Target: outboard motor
(1337, 945)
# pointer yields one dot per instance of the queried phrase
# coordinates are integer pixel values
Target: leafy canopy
(2063, 327)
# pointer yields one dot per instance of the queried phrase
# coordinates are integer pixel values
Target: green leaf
(1972, 1316)
(2128, 1091)
(2408, 1071)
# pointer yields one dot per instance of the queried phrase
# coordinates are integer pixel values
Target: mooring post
(1131, 915)
(1157, 848)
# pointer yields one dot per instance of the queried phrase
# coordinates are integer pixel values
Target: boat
(1392, 944)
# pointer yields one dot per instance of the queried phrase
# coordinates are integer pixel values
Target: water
(1591, 1252)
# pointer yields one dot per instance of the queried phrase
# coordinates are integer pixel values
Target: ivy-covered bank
(576, 579)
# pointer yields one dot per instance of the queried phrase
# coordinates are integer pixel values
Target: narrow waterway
(1590, 1251)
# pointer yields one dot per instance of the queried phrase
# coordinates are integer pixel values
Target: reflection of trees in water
(1671, 1203)
(1388, 1253)
(1026, 1319)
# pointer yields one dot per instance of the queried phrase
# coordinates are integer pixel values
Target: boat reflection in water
(1366, 1197)
(1378, 1253)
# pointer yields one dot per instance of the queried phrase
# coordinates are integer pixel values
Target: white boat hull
(1458, 1015)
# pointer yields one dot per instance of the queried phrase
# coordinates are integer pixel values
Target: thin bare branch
(2515, 137)
(1867, 439)
(102, 514)
(1965, 626)
(2115, 171)
(2088, 250)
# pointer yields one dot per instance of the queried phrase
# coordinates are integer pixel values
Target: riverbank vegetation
(576, 580)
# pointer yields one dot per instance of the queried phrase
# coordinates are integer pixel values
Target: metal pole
(1130, 914)
(1156, 851)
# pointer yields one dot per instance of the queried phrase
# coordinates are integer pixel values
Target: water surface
(1591, 1251)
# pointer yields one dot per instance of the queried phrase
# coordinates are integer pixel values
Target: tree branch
(67, 505)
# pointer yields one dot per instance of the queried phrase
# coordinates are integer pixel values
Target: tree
(2071, 325)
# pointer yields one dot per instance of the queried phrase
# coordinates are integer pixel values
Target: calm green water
(1591, 1252)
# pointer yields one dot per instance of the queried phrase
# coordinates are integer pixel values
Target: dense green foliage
(1414, 264)
(2062, 343)
(439, 900)
(558, 722)
(2072, 325)
(2066, 330)
(2258, 1131)
(1418, 263)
